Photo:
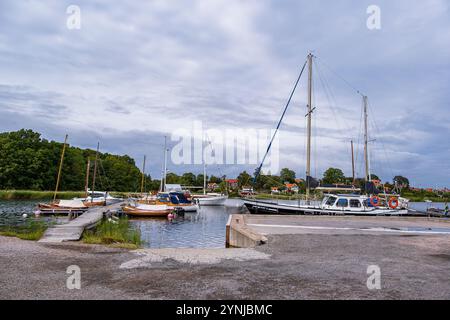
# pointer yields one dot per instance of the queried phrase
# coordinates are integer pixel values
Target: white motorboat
(210, 199)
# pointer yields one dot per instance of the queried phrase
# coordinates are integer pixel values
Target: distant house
(246, 191)
(377, 182)
(212, 186)
(275, 190)
(232, 183)
(299, 181)
(291, 187)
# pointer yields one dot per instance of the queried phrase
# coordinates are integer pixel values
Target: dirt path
(289, 267)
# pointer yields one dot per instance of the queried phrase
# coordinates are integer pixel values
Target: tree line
(27, 161)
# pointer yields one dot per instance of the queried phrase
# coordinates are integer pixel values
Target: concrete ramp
(73, 230)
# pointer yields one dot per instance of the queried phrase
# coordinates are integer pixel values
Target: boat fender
(393, 203)
(375, 201)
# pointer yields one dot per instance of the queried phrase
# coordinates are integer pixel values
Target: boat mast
(143, 176)
(308, 141)
(366, 139)
(165, 164)
(60, 168)
(95, 172)
(86, 185)
(353, 163)
(204, 177)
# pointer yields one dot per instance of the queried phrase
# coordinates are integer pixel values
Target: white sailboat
(209, 199)
(351, 204)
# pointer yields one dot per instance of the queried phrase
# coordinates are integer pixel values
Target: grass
(32, 230)
(114, 233)
(36, 195)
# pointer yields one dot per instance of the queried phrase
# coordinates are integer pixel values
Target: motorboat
(342, 204)
(176, 200)
(210, 199)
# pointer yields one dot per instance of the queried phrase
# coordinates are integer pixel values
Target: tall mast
(60, 168)
(143, 176)
(366, 139)
(353, 163)
(86, 185)
(95, 172)
(165, 164)
(204, 177)
(308, 141)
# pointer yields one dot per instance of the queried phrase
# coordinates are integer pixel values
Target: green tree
(244, 179)
(401, 182)
(333, 176)
(287, 175)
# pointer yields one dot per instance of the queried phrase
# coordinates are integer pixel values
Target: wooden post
(86, 186)
(95, 172)
(353, 163)
(143, 177)
(60, 168)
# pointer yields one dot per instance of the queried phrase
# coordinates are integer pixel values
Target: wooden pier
(73, 230)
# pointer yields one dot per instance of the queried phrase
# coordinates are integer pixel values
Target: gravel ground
(289, 267)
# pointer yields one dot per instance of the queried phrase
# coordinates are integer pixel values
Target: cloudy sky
(138, 70)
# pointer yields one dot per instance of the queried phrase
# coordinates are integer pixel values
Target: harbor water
(202, 229)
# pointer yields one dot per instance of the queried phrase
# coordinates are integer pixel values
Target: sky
(136, 71)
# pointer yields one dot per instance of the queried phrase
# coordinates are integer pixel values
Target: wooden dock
(73, 230)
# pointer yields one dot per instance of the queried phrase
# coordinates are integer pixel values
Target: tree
(188, 179)
(244, 179)
(333, 176)
(287, 175)
(401, 182)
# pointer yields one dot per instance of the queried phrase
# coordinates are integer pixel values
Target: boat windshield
(330, 201)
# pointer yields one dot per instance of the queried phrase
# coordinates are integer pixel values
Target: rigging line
(375, 125)
(328, 94)
(279, 122)
(341, 77)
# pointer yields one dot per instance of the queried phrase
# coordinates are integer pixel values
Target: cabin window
(354, 203)
(331, 201)
(342, 203)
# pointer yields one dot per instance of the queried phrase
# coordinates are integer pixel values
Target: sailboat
(57, 206)
(93, 198)
(332, 204)
(173, 199)
(209, 199)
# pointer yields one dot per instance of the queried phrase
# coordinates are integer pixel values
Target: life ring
(393, 203)
(375, 201)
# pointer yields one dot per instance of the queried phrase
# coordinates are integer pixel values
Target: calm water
(204, 229)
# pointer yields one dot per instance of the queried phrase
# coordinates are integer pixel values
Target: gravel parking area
(300, 266)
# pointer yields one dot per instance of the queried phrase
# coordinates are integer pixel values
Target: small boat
(176, 200)
(147, 210)
(63, 207)
(98, 198)
(210, 199)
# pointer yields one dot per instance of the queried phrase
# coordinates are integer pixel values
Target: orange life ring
(375, 201)
(393, 203)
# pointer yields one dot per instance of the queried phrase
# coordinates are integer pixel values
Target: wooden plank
(73, 230)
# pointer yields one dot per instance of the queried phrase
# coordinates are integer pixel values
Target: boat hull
(267, 208)
(212, 201)
(132, 211)
(55, 209)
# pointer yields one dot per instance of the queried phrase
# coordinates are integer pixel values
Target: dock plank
(73, 230)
